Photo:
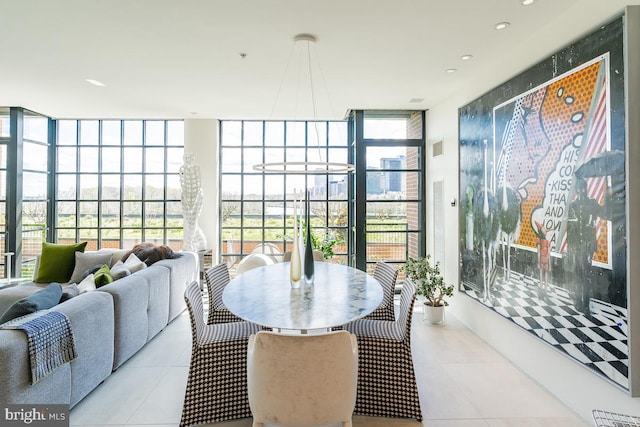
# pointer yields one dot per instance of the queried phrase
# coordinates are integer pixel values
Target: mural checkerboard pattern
(599, 341)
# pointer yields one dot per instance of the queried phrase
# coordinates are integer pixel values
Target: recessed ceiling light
(451, 70)
(416, 100)
(502, 25)
(466, 57)
(95, 82)
(527, 2)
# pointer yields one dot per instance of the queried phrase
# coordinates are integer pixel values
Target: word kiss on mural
(542, 222)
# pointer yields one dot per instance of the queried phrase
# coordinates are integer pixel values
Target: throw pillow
(57, 262)
(102, 276)
(134, 263)
(91, 270)
(87, 260)
(69, 292)
(41, 300)
(87, 285)
(119, 270)
(150, 253)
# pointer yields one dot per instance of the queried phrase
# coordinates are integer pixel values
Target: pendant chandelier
(309, 167)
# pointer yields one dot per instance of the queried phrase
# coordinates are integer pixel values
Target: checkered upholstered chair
(217, 382)
(302, 380)
(386, 379)
(386, 274)
(217, 277)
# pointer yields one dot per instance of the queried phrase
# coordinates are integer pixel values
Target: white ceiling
(181, 58)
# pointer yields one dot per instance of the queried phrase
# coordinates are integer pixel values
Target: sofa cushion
(41, 300)
(86, 260)
(102, 276)
(57, 262)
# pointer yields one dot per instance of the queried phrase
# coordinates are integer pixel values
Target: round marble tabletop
(338, 295)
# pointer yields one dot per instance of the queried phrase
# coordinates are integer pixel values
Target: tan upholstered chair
(217, 382)
(302, 380)
(386, 274)
(317, 256)
(217, 277)
(386, 378)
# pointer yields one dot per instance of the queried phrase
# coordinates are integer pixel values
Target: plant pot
(433, 315)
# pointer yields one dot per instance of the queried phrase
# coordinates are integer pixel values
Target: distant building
(375, 182)
(393, 180)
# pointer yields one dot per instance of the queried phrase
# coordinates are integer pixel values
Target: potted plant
(429, 284)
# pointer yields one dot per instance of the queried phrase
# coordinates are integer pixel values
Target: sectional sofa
(109, 326)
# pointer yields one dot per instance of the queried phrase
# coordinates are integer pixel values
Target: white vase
(295, 268)
(433, 315)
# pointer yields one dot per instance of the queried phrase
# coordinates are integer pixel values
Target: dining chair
(386, 378)
(216, 385)
(268, 249)
(317, 256)
(252, 261)
(302, 380)
(217, 277)
(386, 274)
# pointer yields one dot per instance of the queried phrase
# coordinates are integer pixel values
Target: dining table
(338, 295)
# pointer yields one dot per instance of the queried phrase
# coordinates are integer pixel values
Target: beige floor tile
(537, 422)
(456, 423)
(115, 400)
(499, 390)
(164, 403)
(163, 350)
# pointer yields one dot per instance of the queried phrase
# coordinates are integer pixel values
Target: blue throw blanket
(50, 341)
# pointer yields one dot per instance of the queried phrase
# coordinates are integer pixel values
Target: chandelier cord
(284, 76)
(308, 166)
(314, 103)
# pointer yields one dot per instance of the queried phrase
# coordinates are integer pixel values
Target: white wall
(571, 382)
(201, 138)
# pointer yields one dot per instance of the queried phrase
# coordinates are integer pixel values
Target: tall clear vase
(295, 269)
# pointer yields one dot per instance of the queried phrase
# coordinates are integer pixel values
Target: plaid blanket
(50, 341)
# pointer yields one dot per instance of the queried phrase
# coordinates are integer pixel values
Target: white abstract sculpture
(192, 197)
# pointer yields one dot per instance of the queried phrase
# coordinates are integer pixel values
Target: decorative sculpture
(192, 197)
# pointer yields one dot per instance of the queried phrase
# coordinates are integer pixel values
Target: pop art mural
(542, 190)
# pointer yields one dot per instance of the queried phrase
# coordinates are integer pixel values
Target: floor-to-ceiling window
(5, 133)
(256, 208)
(25, 139)
(389, 206)
(117, 182)
(35, 187)
(385, 208)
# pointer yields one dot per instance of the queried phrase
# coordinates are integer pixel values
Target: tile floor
(462, 381)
